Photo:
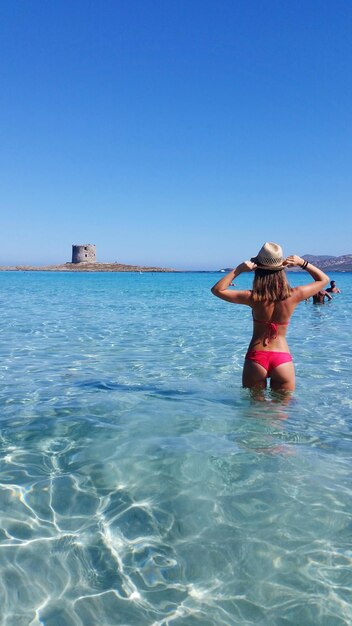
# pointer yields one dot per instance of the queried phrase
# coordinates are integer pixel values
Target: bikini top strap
(271, 329)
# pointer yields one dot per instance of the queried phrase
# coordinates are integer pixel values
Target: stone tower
(84, 254)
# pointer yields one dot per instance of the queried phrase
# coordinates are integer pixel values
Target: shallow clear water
(141, 486)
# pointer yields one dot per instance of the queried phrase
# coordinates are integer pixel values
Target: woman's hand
(246, 266)
(293, 261)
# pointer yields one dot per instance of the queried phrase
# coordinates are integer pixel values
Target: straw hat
(269, 257)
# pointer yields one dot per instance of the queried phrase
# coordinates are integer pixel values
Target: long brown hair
(270, 285)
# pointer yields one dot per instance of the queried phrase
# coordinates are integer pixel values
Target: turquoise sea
(140, 485)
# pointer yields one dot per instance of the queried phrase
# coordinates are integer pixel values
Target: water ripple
(141, 486)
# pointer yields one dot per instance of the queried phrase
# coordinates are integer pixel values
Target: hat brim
(272, 268)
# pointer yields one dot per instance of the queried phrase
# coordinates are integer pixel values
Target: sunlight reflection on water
(141, 485)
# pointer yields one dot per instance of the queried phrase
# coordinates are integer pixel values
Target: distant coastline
(324, 262)
(84, 267)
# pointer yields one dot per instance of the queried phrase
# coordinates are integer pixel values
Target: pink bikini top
(271, 329)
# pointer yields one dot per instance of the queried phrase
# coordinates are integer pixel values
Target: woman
(272, 301)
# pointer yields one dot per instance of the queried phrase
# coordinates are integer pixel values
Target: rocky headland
(331, 263)
(324, 262)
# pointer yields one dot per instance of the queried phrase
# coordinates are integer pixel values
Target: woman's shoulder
(295, 294)
(246, 296)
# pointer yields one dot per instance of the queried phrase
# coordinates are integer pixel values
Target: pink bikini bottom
(268, 359)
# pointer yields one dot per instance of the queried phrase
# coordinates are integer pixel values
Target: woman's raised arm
(221, 288)
(320, 278)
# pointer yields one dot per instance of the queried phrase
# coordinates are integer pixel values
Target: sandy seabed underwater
(140, 485)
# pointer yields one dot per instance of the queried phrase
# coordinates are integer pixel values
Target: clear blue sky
(180, 133)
